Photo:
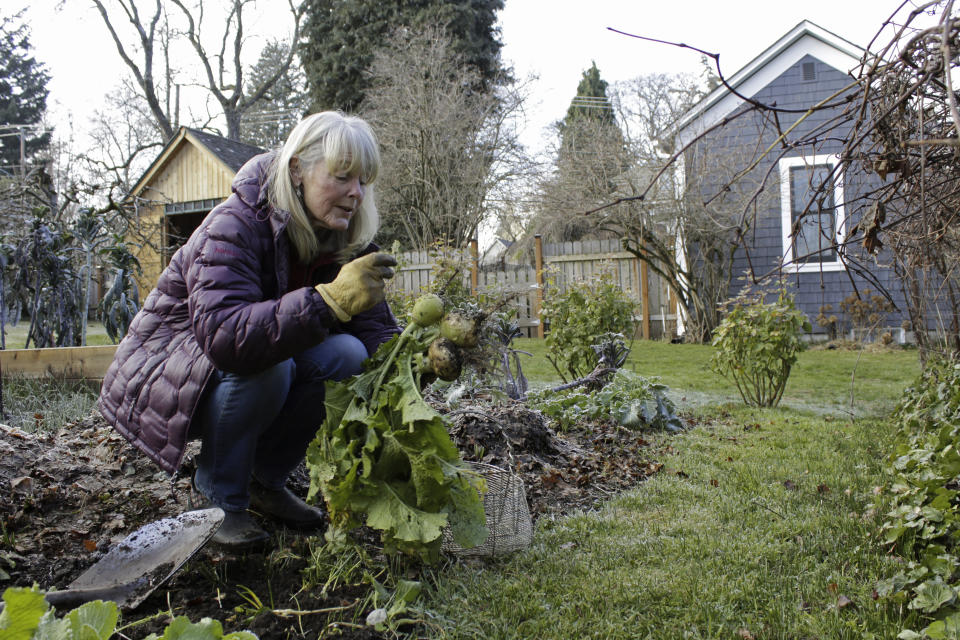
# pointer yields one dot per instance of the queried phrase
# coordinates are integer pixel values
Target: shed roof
(231, 153)
(806, 38)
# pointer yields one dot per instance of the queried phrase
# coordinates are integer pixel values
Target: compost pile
(66, 497)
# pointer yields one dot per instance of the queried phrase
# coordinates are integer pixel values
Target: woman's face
(331, 199)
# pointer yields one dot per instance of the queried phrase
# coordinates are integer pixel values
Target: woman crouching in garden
(277, 291)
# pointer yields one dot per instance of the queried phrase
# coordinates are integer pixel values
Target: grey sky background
(555, 40)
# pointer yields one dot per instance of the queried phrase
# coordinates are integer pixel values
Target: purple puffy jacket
(220, 303)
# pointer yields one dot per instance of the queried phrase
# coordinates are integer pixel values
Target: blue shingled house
(798, 198)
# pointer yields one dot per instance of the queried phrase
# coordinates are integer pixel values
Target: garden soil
(66, 497)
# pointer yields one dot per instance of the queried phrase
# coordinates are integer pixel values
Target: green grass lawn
(820, 382)
(16, 335)
(760, 524)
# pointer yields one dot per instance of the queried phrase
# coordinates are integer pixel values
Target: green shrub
(756, 344)
(628, 399)
(921, 518)
(578, 316)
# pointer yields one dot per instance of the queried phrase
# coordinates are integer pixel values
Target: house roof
(804, 39)
(230, 153)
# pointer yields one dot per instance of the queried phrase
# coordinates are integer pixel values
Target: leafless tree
(906, 127)
(148, 33)
(125, 139)
(689, 244)
(451, 152)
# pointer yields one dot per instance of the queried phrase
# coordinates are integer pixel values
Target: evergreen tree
(285, 102)
(590, 158)
(23, 92)
(591, 100)
(340, 37)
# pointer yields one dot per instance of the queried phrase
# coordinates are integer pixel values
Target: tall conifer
(340, 36)
(23, 93)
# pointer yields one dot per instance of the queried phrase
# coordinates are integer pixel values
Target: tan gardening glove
(358, 286)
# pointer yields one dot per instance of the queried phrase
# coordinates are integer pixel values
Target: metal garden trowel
(141, 562)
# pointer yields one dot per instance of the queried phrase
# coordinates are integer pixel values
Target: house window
(811, 200)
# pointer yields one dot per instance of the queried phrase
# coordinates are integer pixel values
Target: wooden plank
(588, 257)
(89, 363)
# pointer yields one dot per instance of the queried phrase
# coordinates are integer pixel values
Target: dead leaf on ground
(745, 634)
(23, 484)
(823, 488)
(843, 602)
(789, 484)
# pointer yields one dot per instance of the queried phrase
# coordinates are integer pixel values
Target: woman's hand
(358, 286)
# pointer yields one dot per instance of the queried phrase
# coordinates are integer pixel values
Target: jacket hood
(251, 182)
(251, 185)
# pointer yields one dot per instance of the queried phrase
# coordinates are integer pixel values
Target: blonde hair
(347, 144)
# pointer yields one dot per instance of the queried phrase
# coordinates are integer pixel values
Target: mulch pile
(562, 472)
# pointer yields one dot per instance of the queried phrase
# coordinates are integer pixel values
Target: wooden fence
(556, 264)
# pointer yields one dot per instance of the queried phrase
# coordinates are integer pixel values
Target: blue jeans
(260, 425)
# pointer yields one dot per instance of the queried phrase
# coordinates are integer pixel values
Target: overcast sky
(554, 39)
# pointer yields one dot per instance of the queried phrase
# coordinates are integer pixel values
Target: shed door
(180, 220)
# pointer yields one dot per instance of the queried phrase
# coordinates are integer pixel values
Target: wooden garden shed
(190, 176)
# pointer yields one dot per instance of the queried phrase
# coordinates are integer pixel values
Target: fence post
(640, 271)
(474, 266)
(538, 262)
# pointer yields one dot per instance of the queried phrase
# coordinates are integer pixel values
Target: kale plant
(119, 303)
(45, 279)
(578, 316)
(628, 399)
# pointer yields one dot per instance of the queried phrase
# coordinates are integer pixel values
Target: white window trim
(786, 218)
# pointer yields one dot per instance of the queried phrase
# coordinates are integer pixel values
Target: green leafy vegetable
(22, 613)
(631, 400)
(207, 629)
(28, 616)
(384, 455)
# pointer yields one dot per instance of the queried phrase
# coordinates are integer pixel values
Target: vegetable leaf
(22, 612)
(383, 456)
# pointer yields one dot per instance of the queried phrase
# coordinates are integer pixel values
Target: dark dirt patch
(66, 498)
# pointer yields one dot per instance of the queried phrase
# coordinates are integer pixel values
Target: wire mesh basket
(508, 516)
